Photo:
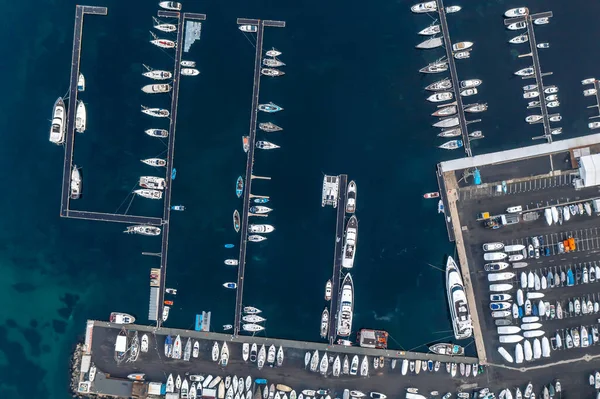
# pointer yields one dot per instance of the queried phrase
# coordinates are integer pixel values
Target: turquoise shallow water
(354, 104)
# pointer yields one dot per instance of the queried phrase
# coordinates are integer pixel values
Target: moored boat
(351, 197)
(260, 228)
(121, 318)
(445, 111)
(443, 84)
(461, 46)
(525, 72)
(430, 30)
(143, 230)
(269, 127)
(345, 315)
(155, 161)
(476, 108)
(428, 6)
(350, 243)
(451, 145)
(167, 28)
(236, 221)
(324, 322)
(156, 112)
(157, 88)
(447, 349)
(248, 28)
(431, 195)
(266, 145)
(450, 132)
(170, 5)
(75, 183)
(457, 300)
(435, 67)
(260, 209)
(270, 107)
(81, 82)
(157, 132)
(149, 193)
(189, 72)
(252, 327)
(239, 186)
(80, 117)
(152, 182)
(230, 285)
(273, 53)
(516, 12)
(271, 72)
(57, 128)
(440, 96)
(157, 74)
(430, 43)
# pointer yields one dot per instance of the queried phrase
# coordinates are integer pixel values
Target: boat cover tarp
(589, 170)
(121, 344)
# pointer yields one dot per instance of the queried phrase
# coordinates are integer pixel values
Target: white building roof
(589, 170)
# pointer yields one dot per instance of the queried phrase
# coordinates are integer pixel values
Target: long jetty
(249, 163)
(528, 19)
(336, 277)
(454, 77)
(80, 11)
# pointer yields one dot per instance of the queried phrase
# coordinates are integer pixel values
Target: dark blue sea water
(353, 103)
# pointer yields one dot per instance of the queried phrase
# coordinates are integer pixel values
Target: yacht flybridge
(457, 301)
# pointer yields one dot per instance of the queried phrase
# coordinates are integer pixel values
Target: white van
(515, 209)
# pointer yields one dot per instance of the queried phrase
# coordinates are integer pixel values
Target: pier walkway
(454, 77)
(249, 164)
(536, 67)
(337, 258)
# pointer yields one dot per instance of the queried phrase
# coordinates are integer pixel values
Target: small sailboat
(149, 193)
(280, 356)
(236, 220)
(364, 367)
(156, 112)
(143, 230)
(157, 74)
(80, 117)
(167, 28)
(157, 88)
(81, 82)
(452, 145)
(215, 352)
(252, 327)
(162, 43)
(271, 72)
(224, 355)
(274, 52)
(155, 161)
(272, 62)
(269, 127)
(239, 186)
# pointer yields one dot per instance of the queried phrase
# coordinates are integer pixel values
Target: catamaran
(156, 112)
(57, 129)
(344, 319)
(157, 88)
(156, 74)
(269, 127)
(143, 230)
(457, 301)
(154, 161)
(350, 243)
(152, 182)
(75, 183)
(148, 193)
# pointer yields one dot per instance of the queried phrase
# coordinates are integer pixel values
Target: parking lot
(529, 185)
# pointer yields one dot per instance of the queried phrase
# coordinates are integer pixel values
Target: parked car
(561, 248)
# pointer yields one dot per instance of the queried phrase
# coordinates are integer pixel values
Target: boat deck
(338, 255)
(454, 77)
(249, 164)
(537, 68)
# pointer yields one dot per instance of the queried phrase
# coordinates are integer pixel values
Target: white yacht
(170, 5)
(157, 88)
(525, 72)
(588, 81)
(324, 322)
(155, 161)
(450, 133)
(453, 9)
(531, 94)
(461, 55)
(256, 238)
(273, 53)
(516, 12)
(351, 197)
(157, 74)
(80, 117)
(460, 46)
(476, 108)
(468, 92)
(157, 132)
(470, 83)
(541, 21)
(152, 182)
(594, 125)
(189, 72)
(589, 92)
(248, 28)
(430, 30)
(266, 145)
(350, 243)
(252, 327)
(443, 84)
(271, 72)
(260, 228)
(451, 145)
(344, 319)
(143, 230)
(156, 112)
(519, 39)
(147, 193)
(517, 26)
(427, 6)
(75, 183)
(533, 118)
(81, 82)
(441, 96)
(163, 43)
(435, 67)
(457, 301)
(57, 129)
(167, 28)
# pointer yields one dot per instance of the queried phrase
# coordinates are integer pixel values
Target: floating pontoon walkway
(454, 76)
(337, 258)
(249, 164)
(536, 67)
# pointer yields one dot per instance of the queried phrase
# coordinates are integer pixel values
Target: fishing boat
(431, 195)
(236, 221)
(271, 72)
(270, 107)
(248, 28)
(523, 38)
(260, 209)
(81, 82)
(461, 46)
(75, 183)
(273, 52)
(157, 132)
(253, 318)
(443, 84)
(230, 285)
(476, 108)
(450, 132)
(189, 72)
(430, 30)
(256, 238)
(80, 117)
(525, 72)
(457, 301)
(428, 6)
(239, 186)
(252, 327)
(445, 111)
(441, 96)
(351, 197)
(156, 112)
(231, 262)
(57, 128)
(517, 25)
(157, 88)
(431, 43)
(167, 28)
(435, 67)
(189, 64)
(121, 318)
(170, 5)
(447, 349)
(516, 12)
(345, 314)
(154, 161)
(324, 322)
(350, 243)
(269, 127)
(266, 145)
(157, 74)
(260, 228)
(451, 145)
(143, 230)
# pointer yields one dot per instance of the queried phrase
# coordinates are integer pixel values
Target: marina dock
(454, 77)
(536, 67)
(336, 277)
(249, 164)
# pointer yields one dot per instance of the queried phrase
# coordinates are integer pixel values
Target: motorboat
(231, 262)
(269, 127)
(157, 132)
(157, 74)
(507, 356)
(447, 349)
(273, 53)
(152, 182)
(476, 108)
(543, 45)
(555, 118)
(494, 267)
(553, 104)
(516, 12)
(451, 145)
(154, 161)
(189, 72)
(457, 301)
(350, 240)
(552, 97)
(493, 246)
(517, 26)
(446, 111)
(80, 117)
(157, 88)
(533, 118)
(522, 38)
(453, 9)
(121, 318)
(364, 367)
(468, 92)
(443, 84)
(230, 285)
(594, 125)
(189, 64)
(266, 145)
(461, 55)
(80, 82)
(588, 81)
(430, 30)
(156, 112)
(75, 183)
(435, 67)
(143, 230)
(589, 92)
(324, 322)
(170, 5)
(428, 6)
(431, 195)
(441, 96)
(270, 107)
(256, 238)
(346, 307)
(525, 72)
(530, 87)
(260, 228)
(351, 197)
(450, 132)
(551, 90)
(447, 122)
(260, 209)
(470, 83)
(248, 28)
(57, 128)
(271, 72)
(541, 21)
(461, 46)
(531, 94)
(431, 43)
(533, 104)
